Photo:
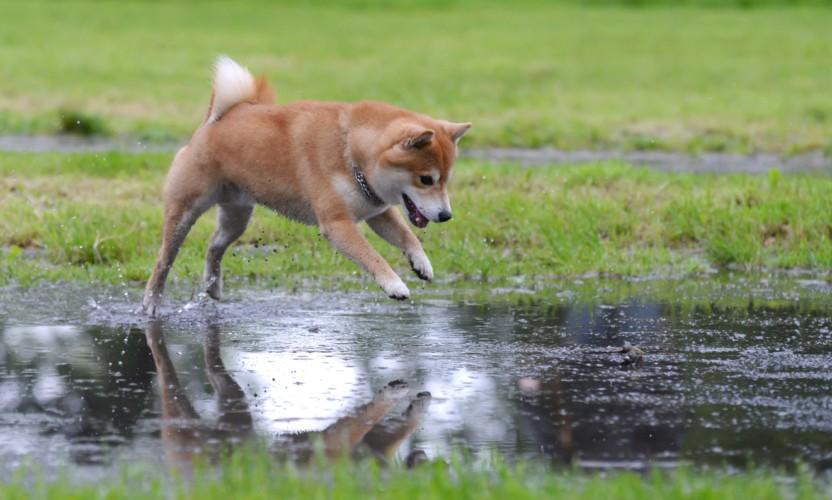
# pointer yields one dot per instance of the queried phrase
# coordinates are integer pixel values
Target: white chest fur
(360, 207)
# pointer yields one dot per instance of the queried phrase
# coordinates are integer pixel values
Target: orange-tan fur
(298, 159)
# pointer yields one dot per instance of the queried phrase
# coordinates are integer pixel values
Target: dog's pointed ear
(456, 130)
(418, 138)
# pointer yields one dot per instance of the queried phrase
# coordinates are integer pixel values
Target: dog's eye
(426, 180)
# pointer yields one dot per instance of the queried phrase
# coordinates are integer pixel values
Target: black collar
(365, 187)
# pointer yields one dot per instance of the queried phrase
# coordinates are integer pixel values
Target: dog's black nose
(444, 215)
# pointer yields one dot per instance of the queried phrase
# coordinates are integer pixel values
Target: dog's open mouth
(417, 218)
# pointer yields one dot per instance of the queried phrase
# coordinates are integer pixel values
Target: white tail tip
(233, 84)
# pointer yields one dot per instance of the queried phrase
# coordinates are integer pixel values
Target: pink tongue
(416, 216)
(418, 219)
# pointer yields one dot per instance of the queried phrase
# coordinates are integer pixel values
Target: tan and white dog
(321, 163)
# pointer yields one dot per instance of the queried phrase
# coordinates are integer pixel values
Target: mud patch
(68, 143)
(666, 161)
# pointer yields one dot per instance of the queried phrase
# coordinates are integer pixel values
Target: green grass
(256, 475)
(688, 78)
(98, 218)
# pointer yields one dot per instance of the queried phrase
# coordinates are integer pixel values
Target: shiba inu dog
(321, 163)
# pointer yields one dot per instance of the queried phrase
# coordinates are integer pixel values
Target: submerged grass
(256, 475)
(538, 73)
(98, 217)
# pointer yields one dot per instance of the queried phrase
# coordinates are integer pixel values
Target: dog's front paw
(421, 266)
(395, 288)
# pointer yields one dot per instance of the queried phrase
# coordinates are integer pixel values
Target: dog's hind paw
(151, 305)
(421, 266)
(213, 287)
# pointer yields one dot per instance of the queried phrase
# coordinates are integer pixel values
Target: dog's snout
(444, 216)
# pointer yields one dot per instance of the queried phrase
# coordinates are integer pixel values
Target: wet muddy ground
(668, 161)
(734, 371)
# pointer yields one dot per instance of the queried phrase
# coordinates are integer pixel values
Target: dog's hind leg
(175, 403)
(232, 221)
(234, 413)
(187, 197)
(178, 222)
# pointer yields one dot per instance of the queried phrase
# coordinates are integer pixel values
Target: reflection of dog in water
(185, 435)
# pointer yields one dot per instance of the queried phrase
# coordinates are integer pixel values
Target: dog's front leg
(391, 226)
(345, 236)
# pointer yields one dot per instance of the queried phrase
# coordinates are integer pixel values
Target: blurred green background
(695, 76)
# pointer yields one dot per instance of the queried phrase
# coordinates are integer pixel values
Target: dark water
(731, 374)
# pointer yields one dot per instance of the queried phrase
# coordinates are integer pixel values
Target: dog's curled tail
(234, 84)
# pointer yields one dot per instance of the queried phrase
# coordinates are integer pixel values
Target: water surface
(735, 371)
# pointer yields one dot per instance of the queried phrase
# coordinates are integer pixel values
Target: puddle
(730, 375)
(668, 161)
(66, 143)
